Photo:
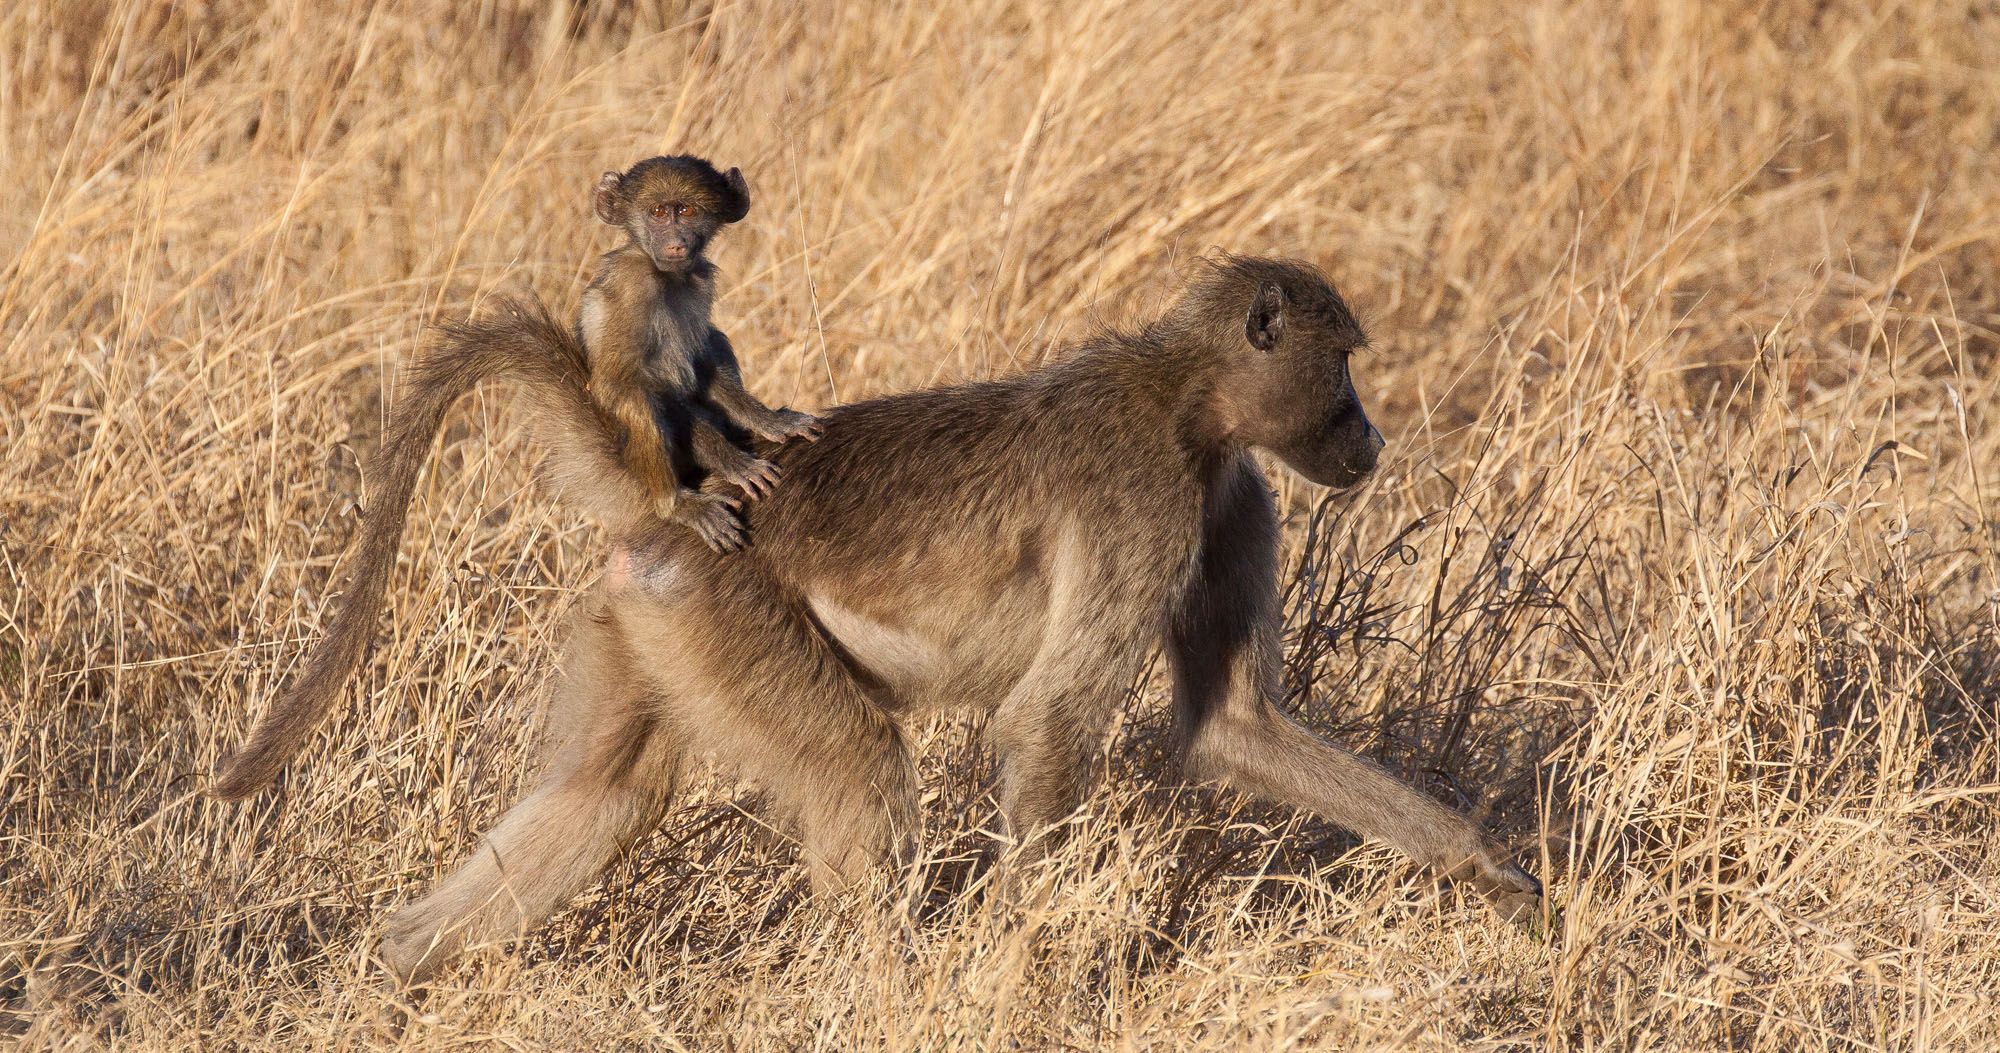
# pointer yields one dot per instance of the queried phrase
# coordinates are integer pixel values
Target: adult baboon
(1018, 546)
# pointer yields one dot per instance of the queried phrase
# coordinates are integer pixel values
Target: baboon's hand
(1514, 893)
(752, 475)
(716, 521)
(796, 425)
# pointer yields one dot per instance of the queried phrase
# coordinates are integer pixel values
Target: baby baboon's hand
(752, 475)
(796, 425)
(715, 519)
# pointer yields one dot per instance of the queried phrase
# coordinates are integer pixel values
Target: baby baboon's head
(1286, 336)
(671, 206)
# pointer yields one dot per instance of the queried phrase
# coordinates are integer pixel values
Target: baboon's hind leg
(757, 685)
(610, 774)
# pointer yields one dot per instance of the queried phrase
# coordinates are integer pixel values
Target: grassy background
(1680, 569)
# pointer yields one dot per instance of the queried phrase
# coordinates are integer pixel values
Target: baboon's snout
(1338, 458)
(1355, 454)
(672, 255)
(1363, 447)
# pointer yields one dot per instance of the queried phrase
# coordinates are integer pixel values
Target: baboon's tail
(523, 343)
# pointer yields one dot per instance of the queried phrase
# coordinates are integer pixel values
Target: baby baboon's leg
(1225, 652)
(736, 466)
(610, 773)
(752, 681)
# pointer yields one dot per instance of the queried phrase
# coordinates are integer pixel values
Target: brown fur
(1015, 547)
(526, 345)
(657, 366)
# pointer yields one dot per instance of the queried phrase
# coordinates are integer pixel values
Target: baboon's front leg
(609, 777)
(1048, 730)
(1045, 738)
(1225, 652)
(645, 448)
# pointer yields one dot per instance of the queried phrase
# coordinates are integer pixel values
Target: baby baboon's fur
(1015, 546)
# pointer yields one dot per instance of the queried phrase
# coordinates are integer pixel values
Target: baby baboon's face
(671, 206)
(1301, 403)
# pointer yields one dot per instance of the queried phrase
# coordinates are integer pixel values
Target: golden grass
(1643, 581)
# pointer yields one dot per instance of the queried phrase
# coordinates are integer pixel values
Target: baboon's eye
(684, 210)
(660, 210)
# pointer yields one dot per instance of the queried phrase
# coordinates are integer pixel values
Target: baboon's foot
(752, 475)
(413, 946)
(425, 936)
(713, 519)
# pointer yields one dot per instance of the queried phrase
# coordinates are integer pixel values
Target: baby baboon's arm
(613, 321)
(726, 390)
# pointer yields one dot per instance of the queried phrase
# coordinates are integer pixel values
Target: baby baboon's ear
(605, 199)
(1266, 324)
(736, 202)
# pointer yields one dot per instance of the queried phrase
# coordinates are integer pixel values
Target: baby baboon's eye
(660, 211)
(684, 210)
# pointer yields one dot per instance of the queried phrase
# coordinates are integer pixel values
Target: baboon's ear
(735, 203)
(1266, 324)
(605, 200)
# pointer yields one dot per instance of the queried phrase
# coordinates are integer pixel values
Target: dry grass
(1682, 570)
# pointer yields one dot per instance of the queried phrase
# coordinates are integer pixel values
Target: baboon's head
(671, 206)
(1286, 336)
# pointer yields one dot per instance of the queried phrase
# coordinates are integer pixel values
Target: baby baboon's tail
(523, 343)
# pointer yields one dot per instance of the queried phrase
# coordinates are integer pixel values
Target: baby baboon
(656, 364)
(643, 388)
(1016, 546)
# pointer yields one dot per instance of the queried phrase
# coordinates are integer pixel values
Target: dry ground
(1681, 569)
